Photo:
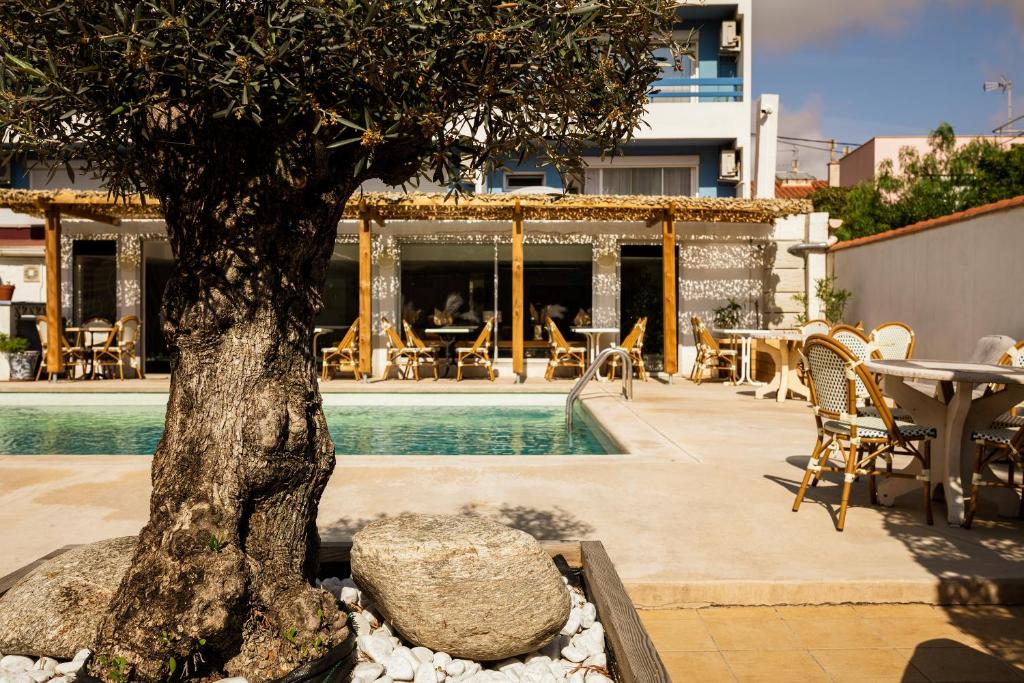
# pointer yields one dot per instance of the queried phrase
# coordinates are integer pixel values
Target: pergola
(379, 208)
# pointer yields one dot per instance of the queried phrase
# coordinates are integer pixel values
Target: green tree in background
(942, 181)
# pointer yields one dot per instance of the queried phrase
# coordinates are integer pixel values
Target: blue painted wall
(495, 179)
(19, 174)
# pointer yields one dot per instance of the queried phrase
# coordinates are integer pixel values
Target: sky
(855, 69)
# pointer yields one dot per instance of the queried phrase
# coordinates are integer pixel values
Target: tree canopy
(388, 89)
(946, 179)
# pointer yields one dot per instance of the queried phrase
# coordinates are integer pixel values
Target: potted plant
(22, 361)
(6, 291)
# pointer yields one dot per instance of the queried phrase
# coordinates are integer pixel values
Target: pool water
(356, 430)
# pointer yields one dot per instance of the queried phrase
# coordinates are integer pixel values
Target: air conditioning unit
(5, 173)
(729, 166)
(732, 41)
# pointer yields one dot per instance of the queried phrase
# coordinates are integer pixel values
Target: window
(675, 176)
(685, 65)
(514, 181)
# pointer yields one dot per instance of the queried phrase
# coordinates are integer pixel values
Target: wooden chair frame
(855, 454)
(633, 344)
(988, 451)
(73, 356)
(710, 354)
(344, 357)
(815, 326)
(477, 355)
(401, 355)
(117, 348)
(880, 330)
(563, 354)
(427, 355)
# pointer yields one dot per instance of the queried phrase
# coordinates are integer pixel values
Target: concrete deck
(698, 512)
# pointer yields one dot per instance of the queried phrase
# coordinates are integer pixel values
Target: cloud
(804, 122)
(782, 25)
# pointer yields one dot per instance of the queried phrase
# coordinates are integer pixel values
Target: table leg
(927, 411)
(776, 383)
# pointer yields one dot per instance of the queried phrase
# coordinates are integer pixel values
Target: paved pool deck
(698, 513)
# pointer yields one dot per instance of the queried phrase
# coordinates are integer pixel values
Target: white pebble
(423, 654)
(425, 673)
(234, 679)
(367, 672)
(362, 624)
(591, 641)
(45, 664)
(456, 667)
(378, 649)
(349, 595)
(16, 663)
(39, 676)
(333, 586)
(398, 667)
(572, 624)
(384, 630)
(384, 679)
(442, 659)
(576, 677)
(588, 615)
(597, 677)
(574, 653)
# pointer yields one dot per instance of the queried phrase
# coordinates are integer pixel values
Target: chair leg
(815, 460)
(848, 477)
(120, 367)
(873, 482)
(972, 504)
(490, 370)
(138, 370)
(458, 372)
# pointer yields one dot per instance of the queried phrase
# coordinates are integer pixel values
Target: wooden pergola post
(518, 360)
(669, 287)
(365, 291)
(54, 347)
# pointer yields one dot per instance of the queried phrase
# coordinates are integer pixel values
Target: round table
(953, 411)
(593, 335)
(448, 336)
(782, 355)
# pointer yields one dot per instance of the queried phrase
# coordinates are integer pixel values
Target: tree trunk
(222, 577)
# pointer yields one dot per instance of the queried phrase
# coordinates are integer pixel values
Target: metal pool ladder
(595, 366)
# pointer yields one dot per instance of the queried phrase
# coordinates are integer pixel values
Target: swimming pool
(122, 424)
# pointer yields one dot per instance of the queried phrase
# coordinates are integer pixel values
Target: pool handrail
(595, 366)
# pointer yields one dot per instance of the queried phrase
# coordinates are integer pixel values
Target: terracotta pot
(6, 292)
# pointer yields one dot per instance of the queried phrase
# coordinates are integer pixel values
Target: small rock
(384, 679)
(384, 630)
(414, 662)
(16, 663)
(572, 625)
(577, 677)
(349, 596)
(442, 659)
(574, 653)
(600, 660)
(423, 654)
(588, 615)
(45, 664)
(597, 677)
(378, 649)
(591, 641)
(367, 672)
(425, 673)
(361, 623)
(398, 667)
(456, 667)
(511, 668)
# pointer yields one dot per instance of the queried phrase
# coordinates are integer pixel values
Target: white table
(953, 411)
(593, 335)
(448, 335)
(783, 355)
(321, 330)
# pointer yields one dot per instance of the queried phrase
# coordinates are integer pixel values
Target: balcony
(699, 89)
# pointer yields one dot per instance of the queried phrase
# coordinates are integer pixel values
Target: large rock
(469, 587)
(56, 610)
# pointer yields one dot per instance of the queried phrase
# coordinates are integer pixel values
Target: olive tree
(252, 122)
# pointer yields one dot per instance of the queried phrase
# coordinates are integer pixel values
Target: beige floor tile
(837, 634)
(961, 665)
(792, 613)
(898, 612)
(698, 667)
(736, 613)
(753, 634)
(912, 633)
(771, 667)
(658, 615)
(868, 666)
(680, 636)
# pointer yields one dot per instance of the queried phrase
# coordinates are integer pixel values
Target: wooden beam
(669, 288)
(90, 215)
(365, 291)
(518, 360)
(54, 329)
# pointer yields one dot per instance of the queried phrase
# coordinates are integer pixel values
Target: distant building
(864, 162)
(796, 184)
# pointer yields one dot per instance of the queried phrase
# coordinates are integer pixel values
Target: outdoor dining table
(321, 330)
(953, 411)
(593, 335)
(448, 335)
(784, 356)
(88, 337)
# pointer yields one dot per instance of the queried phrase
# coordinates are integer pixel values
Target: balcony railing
(700, 89)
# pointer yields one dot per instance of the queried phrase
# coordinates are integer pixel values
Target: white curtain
(679, 181)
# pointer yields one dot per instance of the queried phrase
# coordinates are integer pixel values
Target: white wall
(952, 284)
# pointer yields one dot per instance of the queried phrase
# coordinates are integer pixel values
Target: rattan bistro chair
(816, 326)
(401, 355)
(851, 444)
(563, 354)
(426, 356)
(633, 344)
(894, 340)
(345, 356)
(477, 355)
(710, 355)
(1002, 450)
(1013, 357)
(119, 346)
(71, 356)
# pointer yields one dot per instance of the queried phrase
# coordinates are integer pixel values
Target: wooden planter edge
(635, 656)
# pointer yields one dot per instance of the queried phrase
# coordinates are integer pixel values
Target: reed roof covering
(482, 207)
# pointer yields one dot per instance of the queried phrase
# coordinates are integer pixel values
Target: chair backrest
(991, 348)
(894, 340)
(816, 326)
(394, 340)
(634, 341)
(484, 338)
(835, 374)
(557, 340)
(411, 338)
(112, 336)
(129, 328)
(349, 340)
(702, 336)
(859, 345)
(42, 328)
(1014, 356)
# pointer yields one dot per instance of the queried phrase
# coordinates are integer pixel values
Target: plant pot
(6, 292)
(23, 365)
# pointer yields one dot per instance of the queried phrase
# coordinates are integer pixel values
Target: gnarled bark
(221, 580)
